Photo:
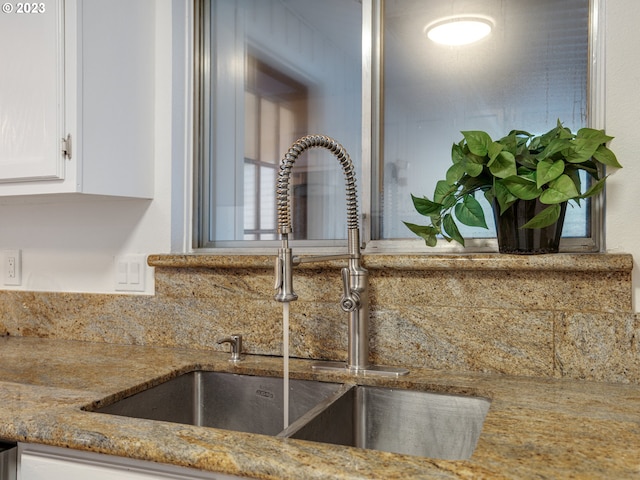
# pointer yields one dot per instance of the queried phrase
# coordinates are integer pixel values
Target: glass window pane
(250, 200)
(250, 125)
(282, 69)
(269, 131)
(530, 71)
(288, 133)
(267, 199)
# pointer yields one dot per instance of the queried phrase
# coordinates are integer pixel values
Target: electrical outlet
(13, 267)
(130, 273)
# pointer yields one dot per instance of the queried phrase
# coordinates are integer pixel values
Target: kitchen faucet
(355, 278)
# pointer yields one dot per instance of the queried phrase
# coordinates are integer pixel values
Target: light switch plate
(130, 273)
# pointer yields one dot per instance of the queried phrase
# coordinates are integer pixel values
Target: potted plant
(527, 178)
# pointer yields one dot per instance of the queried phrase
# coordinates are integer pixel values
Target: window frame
(372, 148)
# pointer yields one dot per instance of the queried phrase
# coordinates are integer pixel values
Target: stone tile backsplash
(565, 315)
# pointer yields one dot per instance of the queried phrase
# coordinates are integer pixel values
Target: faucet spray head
(284, 273)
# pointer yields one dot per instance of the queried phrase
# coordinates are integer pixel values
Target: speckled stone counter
(535, 428)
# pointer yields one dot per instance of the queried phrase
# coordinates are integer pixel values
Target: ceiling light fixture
(459, 30)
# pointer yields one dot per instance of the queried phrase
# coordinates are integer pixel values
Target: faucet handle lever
(350, 300)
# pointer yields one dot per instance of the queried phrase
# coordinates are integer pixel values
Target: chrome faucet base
(369, 370)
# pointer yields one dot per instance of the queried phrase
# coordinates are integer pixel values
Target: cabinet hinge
(66, 147)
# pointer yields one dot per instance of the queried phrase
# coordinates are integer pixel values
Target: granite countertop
(535, 428)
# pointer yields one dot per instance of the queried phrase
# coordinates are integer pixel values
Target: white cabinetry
(39, 462)
(81, 70)
(31, 123)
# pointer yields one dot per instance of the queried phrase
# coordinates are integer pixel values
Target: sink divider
(295, 426)
(198, 399)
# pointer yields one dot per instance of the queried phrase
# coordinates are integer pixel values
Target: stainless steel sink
(400, 421)
(393, 420)
(224, 400)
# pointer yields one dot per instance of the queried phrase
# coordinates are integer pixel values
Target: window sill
(579, 262)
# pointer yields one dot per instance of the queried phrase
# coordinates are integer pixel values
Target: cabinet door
(41, 462)
(36, 467)
(31, 90)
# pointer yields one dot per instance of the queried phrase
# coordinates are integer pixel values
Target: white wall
(623, 122)
(71, 245)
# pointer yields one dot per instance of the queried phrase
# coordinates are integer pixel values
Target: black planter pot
(526, 241)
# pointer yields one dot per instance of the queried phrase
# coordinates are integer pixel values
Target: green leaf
(556, 145)
(504, 165)
(548, 170)
(589, 166)
(546, 217)
(428, 233)
(520, 133)
(558, 132)
(551, 134)
(503, 195)
(457, 153)
(536, 144)
(527, 174)
(581, 150)
(424, 206)
(593, 134)
(470, 212)
(478, 142)
(509, 143)
(450, 200)
(595, 189)
(443, 192)
(472, 168)
(494, 150)
(490, 195)
(451, 229)
(470, 184)
(573, 172)
(526, 159)
(521, 187)
(606, 157)
(455, 173)
(560, 190)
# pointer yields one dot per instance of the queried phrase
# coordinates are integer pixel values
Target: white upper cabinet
(77, 97)
(31, 120)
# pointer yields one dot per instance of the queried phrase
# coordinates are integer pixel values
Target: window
(271, 71)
